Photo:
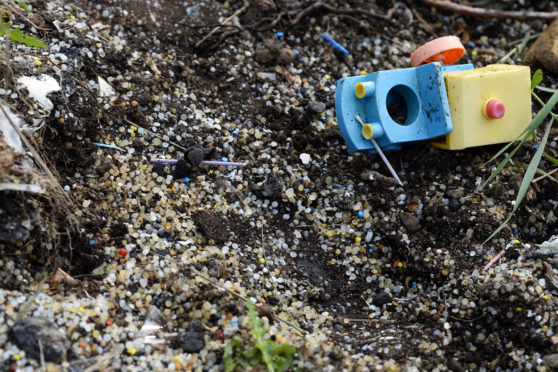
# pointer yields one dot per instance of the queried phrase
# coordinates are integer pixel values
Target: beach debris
(10, 134)
(335, 44)
(108, 146)
(204, 162)
(39, 88)
(105, 89)
(305, 158)
(62, 277)
(381, 153)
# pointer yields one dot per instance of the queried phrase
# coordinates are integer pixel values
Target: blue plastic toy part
(400, 106)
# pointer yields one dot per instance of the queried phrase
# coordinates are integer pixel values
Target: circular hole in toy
(402, 104)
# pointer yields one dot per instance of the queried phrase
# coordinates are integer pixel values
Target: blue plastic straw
(335, 44)
(108, 146)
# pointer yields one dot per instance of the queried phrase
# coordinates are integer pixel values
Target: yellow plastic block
(469, 92)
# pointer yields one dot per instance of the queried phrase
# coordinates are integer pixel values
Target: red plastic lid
(447, 49)
(495, 109)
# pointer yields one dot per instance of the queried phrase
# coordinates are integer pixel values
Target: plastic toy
(454, 106)
(488, 105)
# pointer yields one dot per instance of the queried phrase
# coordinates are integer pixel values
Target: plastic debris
(335, 44)
(105, 90)
(108, 146)
(204, 162)
(10, 135)
(305, 158)
(39, 88)
(381, 153)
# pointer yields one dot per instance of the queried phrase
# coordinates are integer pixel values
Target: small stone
(544, 52)
(193, 341)
(286, 56)
(381, 299)
(195, 156)
(410, 222)
(456, 193)
(315, 107)
(182, 169)
(264, 310)
(272, 188)
(266, 55)
(103, 168)
(551, 360)
(27, 333)
(378, 179)
(454, 205)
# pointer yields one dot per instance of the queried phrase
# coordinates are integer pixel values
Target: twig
(424, 24)
(42, 355)
(274, 23)
(332, 9)
(545, 175)
(488, 13)
(216, 28)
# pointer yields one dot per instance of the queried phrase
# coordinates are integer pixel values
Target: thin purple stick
(225, 163)
(204, 162)
(492, 261)
(165, 161)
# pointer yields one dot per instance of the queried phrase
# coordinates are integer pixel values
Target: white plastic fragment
(549, 247)
(39, 88)
(10, 134)
(305, 158)
(105, 90)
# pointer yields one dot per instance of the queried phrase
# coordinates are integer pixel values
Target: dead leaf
(60, 276)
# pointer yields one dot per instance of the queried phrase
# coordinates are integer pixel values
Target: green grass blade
(521, 48)
(527, 178)
(554, 160)
(506, 160)
(539, 171)
(545, 89)
(24, 6)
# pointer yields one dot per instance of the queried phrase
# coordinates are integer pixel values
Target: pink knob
(495, 109)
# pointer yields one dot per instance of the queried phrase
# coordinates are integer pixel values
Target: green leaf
(554, 160)
(537, 78)
(19, 37)
(527, 132)
(527, 178)
(228, 356)
(24, 6)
